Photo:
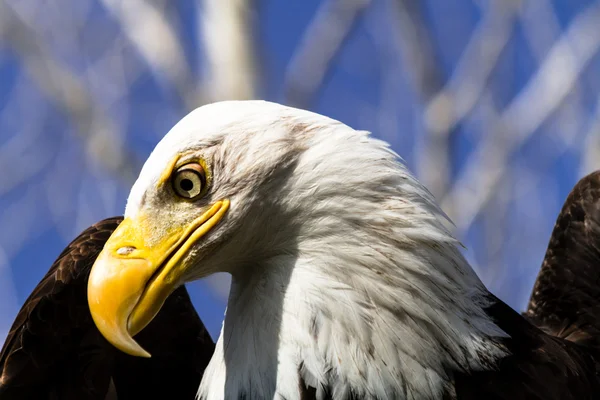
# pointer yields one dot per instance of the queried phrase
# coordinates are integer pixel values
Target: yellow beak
(139, 267)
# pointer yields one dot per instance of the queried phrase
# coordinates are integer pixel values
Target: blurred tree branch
(227, 34)
(146, 25)
(469, 80)
(228, 39)
(447, 104)
(22, 148)
(591, 148)
(102, 138)
(544, 93)
(423, 66)
(541, 29)
(322, 41)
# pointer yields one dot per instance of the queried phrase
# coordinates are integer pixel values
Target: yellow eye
(189, 180)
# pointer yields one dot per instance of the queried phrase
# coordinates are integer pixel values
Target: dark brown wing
(561, 359)
(566, 297)
(540, 367)
(51, 342)
(54, 351)
(181, 348)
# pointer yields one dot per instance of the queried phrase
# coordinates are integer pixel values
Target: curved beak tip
(113, 291)
(123, 341)
(126, 289)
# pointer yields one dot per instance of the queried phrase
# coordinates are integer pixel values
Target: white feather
(344, 274)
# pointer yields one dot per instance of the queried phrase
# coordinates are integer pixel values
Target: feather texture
(54, 350)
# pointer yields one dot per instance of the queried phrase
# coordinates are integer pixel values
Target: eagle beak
(139, 267)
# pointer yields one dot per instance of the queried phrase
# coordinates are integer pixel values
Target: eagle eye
(189, 180)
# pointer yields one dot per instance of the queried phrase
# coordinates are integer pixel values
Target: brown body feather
(555, 345)
(566, 297)
(54, 350)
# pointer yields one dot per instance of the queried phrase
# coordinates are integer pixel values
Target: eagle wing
(565, 301)
(555, 349)
(54, 350)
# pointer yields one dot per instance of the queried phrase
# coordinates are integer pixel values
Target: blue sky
(368, 87)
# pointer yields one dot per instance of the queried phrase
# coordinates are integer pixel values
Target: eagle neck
(322, 322)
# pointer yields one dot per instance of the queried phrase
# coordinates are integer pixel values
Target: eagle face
(208, 199)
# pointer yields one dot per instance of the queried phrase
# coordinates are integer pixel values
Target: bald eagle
(346, 282)
(54, 350)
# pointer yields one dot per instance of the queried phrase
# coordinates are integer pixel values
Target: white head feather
(344, 275)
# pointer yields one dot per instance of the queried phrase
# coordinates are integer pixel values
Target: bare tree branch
(22, 149)
(591, 149)
(541, 29)
(232, 67)
(147, 27)
(227, 35)
(447, 105)
(62, 87)
(544, 93)
(469, 80)
(424, 68)
(322, 41)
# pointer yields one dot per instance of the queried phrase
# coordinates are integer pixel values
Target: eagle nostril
(126, 250)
